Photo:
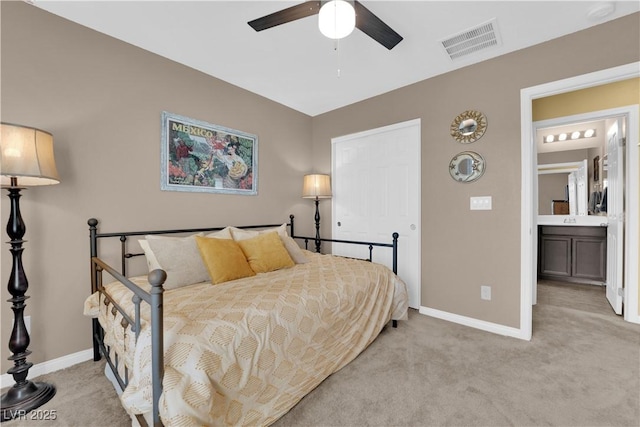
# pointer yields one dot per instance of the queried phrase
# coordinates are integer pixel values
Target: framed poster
(202, 157)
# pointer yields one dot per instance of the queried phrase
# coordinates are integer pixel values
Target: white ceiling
(295, 65)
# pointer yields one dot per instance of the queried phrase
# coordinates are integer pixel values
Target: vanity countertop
(573, 221)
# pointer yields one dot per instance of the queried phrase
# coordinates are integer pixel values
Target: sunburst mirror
(469, 126)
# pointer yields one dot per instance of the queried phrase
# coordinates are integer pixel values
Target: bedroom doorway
(591, 225)
(529, 174)
(376, 192)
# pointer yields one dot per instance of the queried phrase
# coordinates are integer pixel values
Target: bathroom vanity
(571, 252)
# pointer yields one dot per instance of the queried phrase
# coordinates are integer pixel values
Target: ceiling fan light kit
(336, 19)
(337, 11)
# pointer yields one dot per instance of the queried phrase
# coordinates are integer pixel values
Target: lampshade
(337, 19)
(27, 154)
(316, 186)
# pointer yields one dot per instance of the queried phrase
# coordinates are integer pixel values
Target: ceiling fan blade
(283, 16)
(373, 26)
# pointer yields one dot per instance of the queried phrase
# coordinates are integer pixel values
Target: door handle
(339, 223)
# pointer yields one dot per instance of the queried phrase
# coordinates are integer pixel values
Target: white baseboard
(50, 366)
(474, 323)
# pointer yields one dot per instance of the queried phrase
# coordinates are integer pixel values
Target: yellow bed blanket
(245, 352)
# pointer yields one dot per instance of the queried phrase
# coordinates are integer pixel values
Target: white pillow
(178, 256)
(292, 247)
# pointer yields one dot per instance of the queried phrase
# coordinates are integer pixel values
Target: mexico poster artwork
(202, 157)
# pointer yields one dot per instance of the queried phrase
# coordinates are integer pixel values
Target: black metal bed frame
(155, 296)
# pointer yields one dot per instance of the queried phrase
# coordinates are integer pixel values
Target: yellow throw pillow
(290, 245)
(265, 252)
(224, 259)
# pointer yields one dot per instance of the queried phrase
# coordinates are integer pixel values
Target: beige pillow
(152, 262)
(295, 252)
(243, 233)
(290, 245)
(265, 253)
(225, 233)
(178, 256)
(224, 259)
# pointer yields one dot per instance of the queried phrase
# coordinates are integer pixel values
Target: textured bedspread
(245, 352)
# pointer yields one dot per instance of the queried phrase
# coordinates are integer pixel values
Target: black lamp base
(21, 399)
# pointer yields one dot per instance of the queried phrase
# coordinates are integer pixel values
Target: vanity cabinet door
(589, 258)
(555, 255)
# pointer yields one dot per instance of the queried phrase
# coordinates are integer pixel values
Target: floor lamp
(317, 187)
(27, 159)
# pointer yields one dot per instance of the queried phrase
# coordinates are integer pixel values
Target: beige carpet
(588, 298)
(582, 368)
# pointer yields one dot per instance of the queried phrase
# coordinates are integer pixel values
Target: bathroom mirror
(469, 126)
(467, 166)
(563, 190)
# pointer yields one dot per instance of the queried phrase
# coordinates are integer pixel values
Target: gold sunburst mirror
(469, 126)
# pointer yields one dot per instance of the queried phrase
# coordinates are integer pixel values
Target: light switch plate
(480, 203)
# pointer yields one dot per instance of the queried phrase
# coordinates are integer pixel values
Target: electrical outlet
(485, 292)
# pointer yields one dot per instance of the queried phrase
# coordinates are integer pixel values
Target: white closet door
(376, 192)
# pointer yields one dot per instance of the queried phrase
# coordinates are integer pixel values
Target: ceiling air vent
(472, 40)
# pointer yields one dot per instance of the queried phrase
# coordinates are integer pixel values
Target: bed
(245, 350)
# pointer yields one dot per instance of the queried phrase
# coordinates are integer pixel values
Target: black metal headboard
(125, 255)
(124, 235)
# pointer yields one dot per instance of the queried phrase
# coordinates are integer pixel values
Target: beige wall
(102, 100)
(462, 250)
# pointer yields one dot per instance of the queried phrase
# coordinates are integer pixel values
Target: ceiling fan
(365, 20)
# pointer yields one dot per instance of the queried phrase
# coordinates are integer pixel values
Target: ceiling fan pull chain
(335, 48)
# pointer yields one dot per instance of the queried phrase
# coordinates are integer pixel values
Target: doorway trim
(628, 112)
(528, 219)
